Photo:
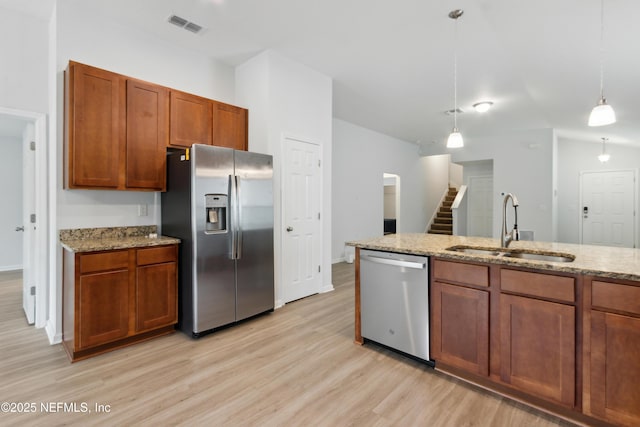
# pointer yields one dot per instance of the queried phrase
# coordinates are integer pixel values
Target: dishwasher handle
(395, 262)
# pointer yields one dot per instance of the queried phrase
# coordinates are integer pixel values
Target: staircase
(443, 222)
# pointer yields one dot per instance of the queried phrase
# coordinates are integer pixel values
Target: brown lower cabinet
(612, 374)
(568, 344)
(116, 298)
(460, 327)
(511, 329)
(537, 347)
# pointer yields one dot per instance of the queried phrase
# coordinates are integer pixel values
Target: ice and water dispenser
(216, 219)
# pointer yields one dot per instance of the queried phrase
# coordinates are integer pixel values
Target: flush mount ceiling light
(604, 157)
(455, 138)
(602, 114)
(482, 107)
(184, 24)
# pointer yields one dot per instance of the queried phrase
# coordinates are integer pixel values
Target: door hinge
(32, 146)
(318, 163)
(318, 269)
(32, 291)
(318, 215)
(32, 218)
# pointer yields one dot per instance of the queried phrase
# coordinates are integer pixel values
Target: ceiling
(392, 62)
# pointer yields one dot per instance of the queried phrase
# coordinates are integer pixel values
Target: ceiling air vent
(185, 24)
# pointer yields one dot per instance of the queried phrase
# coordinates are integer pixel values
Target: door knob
(289, 228)
(20, 228)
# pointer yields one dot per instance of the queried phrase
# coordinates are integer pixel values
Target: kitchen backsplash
(107, 232)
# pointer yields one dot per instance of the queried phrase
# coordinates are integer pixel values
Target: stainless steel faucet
(507, 236)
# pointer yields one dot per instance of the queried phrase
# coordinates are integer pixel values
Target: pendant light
(604, 157)
(602, 114)
(455, 138)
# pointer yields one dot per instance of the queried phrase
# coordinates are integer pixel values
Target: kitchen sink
(515, 253)
(553, 257)
(475, 251)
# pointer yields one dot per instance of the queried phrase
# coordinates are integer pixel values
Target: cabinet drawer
(104, 261)
(459, 272)
(156, 255)
(615, 296)
(538, 284)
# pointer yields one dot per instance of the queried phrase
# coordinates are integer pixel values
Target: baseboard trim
(54, 338)
(10, 268)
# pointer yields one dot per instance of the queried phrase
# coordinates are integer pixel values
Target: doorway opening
(24, 133)
(391, 198)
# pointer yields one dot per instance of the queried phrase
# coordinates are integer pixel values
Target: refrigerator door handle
(233, 217)
(238, 227)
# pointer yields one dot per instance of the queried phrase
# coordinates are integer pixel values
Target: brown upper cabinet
(115, 130)
(191, 120)
(95, 122)
(197, 120)
(230, 126)
(147, 135)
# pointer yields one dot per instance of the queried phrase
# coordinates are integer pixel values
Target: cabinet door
(460, 327)
(95, 127)
(103, 308)
(230, 126)
(615, 370)
(156, 301)
(191, 120)
(147, 135)
(537, 347)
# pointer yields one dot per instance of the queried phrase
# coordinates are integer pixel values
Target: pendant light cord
(601, 49)
(455, 76)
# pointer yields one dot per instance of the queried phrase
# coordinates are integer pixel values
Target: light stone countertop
(112, 238)
(603, 261)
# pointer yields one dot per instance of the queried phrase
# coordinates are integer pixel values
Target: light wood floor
(296, 366)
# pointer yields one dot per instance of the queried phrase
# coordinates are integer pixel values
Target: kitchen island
(560, 336)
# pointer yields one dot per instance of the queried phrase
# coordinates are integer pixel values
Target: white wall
(575, 157)
(523, 165)
(360, 158)
(11, 196)
(23, 49)
(286, 98)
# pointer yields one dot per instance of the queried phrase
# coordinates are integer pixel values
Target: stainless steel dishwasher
(394, 301)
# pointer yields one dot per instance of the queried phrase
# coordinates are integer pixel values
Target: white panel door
(301, 201)
(608, 203)
(29, 208)
(480, 206)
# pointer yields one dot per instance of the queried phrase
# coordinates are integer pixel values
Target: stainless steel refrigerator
(219, 201)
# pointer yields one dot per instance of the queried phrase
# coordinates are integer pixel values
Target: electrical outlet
(142, 210)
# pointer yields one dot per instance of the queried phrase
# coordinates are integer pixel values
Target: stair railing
(459, 212)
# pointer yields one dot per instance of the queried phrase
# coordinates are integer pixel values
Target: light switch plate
(142, 210)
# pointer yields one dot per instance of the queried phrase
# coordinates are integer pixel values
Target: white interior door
(608, 205)
(301, 202)
(29, 208)
(480, 206)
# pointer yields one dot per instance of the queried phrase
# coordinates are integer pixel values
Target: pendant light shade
(602, 114)
(455, 138)
(604, 156)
